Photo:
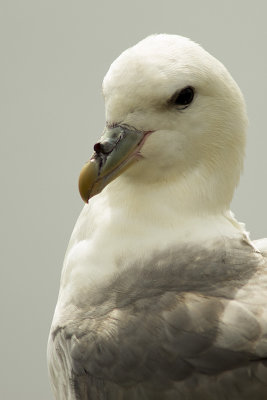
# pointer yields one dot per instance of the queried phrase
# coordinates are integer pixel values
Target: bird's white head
(176, 110)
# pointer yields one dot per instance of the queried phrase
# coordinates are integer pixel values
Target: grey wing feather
(191, 329)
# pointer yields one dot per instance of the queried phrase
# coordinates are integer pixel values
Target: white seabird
(163, 295)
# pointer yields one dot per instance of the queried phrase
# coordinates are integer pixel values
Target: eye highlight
(183, 98)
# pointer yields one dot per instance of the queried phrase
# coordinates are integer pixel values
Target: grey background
(54, 55)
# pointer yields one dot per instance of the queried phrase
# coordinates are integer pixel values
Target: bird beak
(116, 151)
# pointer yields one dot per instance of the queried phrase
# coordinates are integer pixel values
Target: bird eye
(184, 97)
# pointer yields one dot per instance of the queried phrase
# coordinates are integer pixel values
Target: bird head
(174, 116)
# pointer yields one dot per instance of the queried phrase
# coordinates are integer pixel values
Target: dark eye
(184, 97)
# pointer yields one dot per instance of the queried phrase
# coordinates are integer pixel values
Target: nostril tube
(104, 147)
(98, 147)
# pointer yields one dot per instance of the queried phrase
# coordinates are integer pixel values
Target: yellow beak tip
(87, 178)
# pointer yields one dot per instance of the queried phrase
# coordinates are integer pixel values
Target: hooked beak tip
(88, 176)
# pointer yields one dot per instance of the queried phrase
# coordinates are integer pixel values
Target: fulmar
(163, 294)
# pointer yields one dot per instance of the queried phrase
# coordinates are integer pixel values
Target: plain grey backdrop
(54, 55)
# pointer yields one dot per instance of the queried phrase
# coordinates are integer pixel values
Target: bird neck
(182, 207)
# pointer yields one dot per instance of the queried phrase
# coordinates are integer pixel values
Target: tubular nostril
(104, 147)
(98, 147)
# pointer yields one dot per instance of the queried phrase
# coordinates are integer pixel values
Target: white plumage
(163, 294)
